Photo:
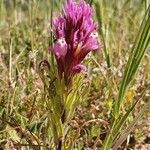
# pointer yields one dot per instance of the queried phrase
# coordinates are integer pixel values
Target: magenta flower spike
(76, 36)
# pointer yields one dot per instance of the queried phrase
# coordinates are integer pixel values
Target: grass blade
(131, 127)
(138, 51)
(98, 7)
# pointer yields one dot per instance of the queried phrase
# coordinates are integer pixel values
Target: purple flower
(76, 36)
(78, 68)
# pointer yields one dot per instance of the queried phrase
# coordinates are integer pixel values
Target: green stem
(109, 138)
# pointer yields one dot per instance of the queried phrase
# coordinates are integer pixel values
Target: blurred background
(25, 37)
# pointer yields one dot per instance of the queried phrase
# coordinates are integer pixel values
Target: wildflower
(76, 36)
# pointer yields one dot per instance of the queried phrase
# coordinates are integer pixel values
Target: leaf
(137, 53)
(131, 127)
(99, 15)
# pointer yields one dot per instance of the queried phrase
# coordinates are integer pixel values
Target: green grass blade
(98, 7)
(123, 120)
(139, 49)
(131, 127)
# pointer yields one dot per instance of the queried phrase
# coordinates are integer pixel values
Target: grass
(118, 96)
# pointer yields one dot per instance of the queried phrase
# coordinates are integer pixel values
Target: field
(106, 107)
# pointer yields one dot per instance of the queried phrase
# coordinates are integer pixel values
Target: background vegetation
(120, 78)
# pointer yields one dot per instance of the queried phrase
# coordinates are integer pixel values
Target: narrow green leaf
(99, 7)
(131, 127)
(135, 59)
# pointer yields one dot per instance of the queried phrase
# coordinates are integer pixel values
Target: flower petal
(78, 68)
(60, 48)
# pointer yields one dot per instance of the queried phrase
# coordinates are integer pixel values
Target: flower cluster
(76, 36)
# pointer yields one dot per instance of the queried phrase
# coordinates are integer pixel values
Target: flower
(76, 36)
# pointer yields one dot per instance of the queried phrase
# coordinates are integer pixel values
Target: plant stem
(108, 139)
